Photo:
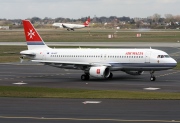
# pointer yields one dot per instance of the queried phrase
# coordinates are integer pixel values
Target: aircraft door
(104, 56)
(101, 57)
(147, 57)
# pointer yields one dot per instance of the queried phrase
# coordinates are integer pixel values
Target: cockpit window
(163, 56)
(167, 56)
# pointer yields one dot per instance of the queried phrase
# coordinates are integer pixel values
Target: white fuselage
(119, 59)
(70, 26)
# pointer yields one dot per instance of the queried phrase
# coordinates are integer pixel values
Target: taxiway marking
(91, 102)
(151, 89)
(20, 83)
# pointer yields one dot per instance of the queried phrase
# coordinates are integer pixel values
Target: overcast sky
(22, 9)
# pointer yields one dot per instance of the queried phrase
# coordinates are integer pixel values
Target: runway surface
(103, 44)
(46, 110)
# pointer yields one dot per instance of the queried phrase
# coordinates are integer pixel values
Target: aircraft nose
(173, 62)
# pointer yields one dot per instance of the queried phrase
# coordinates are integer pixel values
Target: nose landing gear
(152, 78)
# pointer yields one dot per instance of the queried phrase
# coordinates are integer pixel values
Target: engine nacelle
(134, 72)
(99, 72)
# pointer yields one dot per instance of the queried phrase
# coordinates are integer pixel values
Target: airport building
(4, 27)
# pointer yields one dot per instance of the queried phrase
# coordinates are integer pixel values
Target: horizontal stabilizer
(27, 53)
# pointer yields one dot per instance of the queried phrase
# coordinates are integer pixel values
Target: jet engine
(134, 72)
(99, 72)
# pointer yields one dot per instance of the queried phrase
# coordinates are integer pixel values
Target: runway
(47, 110)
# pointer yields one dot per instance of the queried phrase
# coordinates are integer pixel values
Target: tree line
(155, 21)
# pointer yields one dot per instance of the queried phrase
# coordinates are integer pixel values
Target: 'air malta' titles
(134, 53)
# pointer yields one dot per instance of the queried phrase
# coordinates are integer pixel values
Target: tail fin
(33, 39)
(86, 23)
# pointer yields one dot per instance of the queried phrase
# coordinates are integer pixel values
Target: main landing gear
(68, 29)
(110, 76)
(152, 78)
(85, 77)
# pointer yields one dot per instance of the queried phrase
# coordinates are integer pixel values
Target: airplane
(72, 26)
(99, 63)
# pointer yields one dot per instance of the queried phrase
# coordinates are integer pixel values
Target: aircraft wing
(64, 26)
(72, 63)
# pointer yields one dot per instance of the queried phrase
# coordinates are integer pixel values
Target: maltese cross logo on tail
(87, 22)
(31, 34)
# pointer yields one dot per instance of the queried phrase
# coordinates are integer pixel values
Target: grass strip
(93, 36)
(178, 66)
(42, 92)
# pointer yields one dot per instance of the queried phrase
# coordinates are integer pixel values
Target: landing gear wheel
(87, 77)
(110, 76)
(152, 78)
(84, 77)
